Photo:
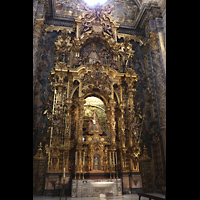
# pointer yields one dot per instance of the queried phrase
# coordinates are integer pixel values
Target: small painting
(136, 181)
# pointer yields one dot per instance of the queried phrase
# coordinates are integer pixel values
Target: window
(94, 2)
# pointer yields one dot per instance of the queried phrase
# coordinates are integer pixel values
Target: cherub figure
(108, 28)
(87, 8)
(87, 26)
(108, 9)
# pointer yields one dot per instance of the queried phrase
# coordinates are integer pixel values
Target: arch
(96, 94)
(104, 98)
(73, 91)
(93, 93)
(117, 96)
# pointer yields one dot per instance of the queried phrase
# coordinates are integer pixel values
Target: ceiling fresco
(122, 11)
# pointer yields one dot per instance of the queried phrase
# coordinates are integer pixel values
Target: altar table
(83, 188)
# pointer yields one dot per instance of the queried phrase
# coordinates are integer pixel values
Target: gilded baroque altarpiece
(109, 136)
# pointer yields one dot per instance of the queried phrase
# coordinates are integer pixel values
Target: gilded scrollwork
(63, 48)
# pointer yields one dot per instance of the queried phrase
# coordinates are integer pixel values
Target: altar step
(123, 197)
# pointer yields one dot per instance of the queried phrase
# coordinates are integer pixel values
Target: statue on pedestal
(97, 162)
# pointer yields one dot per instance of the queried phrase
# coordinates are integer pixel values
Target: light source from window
(94, 2)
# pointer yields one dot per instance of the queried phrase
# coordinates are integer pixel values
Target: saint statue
(94, 124)
(96, 162)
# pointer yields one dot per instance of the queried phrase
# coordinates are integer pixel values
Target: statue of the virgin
(94, 124)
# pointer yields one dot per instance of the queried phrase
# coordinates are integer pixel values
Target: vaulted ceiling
(123, 11)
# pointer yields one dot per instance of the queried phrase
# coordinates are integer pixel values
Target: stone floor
(123, 197)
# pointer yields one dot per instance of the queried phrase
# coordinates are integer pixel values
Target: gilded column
(122, 160)
(67, 134)
(67, 161)
(131, 114)
(122, 136)
(112, 120)
(106, 160)
(80, 129)
(68, 103)
(108, 117)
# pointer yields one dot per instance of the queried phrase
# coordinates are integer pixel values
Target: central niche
(94, 116)
(95, 51)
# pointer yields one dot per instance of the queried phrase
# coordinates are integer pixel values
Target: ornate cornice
(148, 11)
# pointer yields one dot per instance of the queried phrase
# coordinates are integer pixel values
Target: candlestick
(64, 172)
(83, 175)
(76, 158)
(121, 92)
(113, 159)
(110, 157)
(112, 94)
(84, 158)
(68, 89)
(80, 158)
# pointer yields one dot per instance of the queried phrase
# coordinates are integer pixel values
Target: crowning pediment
(95, 41)
(95, 23)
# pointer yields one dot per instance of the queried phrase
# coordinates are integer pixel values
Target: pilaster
(39, 11)
(156, 55)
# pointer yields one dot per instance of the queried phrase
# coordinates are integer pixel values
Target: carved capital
(152, 41)
(38, 25)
